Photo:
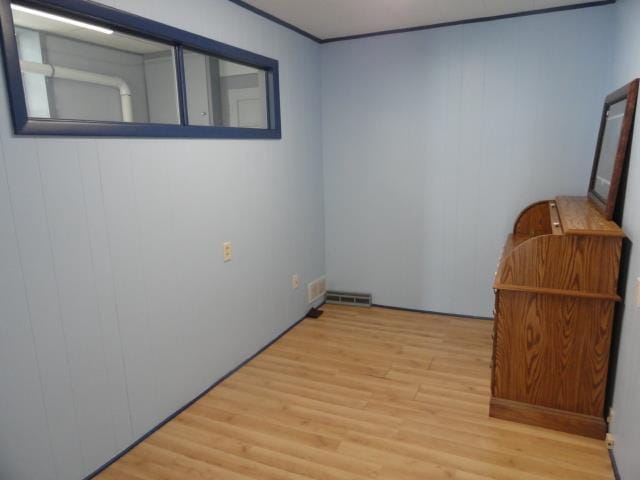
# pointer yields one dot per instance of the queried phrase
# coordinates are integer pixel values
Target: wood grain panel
(562, 293)
(588, 264)
(302, 416)
(570, 422)
(533, 221)
(580, 217)
(552, 351)
(555, 297)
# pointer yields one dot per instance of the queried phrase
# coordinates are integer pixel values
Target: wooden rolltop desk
(555, 294)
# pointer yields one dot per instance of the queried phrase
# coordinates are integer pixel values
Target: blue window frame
(181, 41)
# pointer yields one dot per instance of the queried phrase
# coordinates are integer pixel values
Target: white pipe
(54, 71)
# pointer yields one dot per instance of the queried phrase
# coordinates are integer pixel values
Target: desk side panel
(552, 351)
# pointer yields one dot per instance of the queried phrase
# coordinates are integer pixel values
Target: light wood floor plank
(361, 394)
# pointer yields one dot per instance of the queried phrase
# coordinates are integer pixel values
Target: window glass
(76, 70)
(224, 93)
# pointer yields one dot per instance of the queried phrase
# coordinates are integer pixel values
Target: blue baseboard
(614, 466)
(431, 312)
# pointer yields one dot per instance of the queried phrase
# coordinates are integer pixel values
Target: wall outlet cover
(610, 441)
(295, 281)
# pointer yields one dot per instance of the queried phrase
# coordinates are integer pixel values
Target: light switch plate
(295, 281)
(227, 251)
(638, 292)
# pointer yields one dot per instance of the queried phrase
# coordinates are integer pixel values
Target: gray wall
(434, 141)
(115, 305)
(626, 400)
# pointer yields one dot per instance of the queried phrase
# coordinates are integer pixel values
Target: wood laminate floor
(361, 394)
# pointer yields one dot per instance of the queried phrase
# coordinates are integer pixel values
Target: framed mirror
(612, 149)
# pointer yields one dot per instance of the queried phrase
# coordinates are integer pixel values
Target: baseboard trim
(431, 312)
(552, 418)
(614, 466)
(141, 439)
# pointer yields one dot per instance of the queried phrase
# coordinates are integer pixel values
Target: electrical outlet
(295, 281)
(227, 251)
(610, 441)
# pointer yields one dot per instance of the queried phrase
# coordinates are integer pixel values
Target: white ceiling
(327, 19)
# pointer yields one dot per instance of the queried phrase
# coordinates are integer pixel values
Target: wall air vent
(316, 289)
(346, 298)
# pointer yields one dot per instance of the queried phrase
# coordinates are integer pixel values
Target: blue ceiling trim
(472, 20)
(288, 25)
(275, 19)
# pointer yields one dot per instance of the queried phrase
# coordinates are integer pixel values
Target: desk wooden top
(579, 216)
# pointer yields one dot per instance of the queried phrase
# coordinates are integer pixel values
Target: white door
(197, 71)
(248, 106)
